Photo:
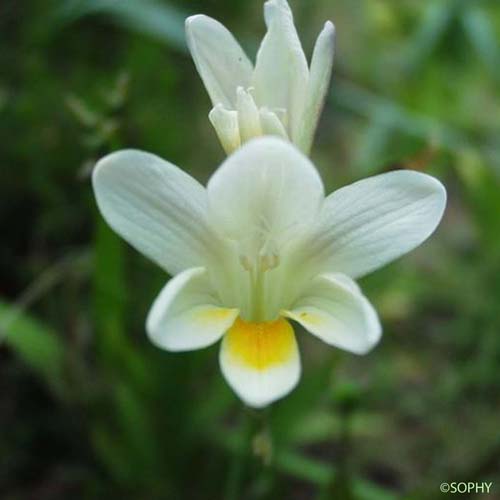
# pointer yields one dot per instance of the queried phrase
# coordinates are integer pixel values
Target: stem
(256, 443)
(237, 468)
(262, 441)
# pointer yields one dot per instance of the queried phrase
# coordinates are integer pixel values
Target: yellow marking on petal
(261, 345)
(305, 316)
(214, 314)
(312, 319)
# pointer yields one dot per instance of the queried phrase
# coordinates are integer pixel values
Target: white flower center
(260, 255)
(260, 252)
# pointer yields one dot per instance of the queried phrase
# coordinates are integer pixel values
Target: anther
(246, 263)
(269, 261)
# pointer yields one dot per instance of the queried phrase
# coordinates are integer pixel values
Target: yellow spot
(261, 345)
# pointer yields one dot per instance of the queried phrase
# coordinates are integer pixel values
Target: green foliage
(94, 410)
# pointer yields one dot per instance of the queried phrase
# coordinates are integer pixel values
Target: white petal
(265, 193)
(372, 222)
(260, 361)
(319, 81)
(219, 59)
(281, 71)
(333, 309)
(225, 123)
(186, 314)
(271, 124)
(155, 206)
(248, 115)
(346, 282)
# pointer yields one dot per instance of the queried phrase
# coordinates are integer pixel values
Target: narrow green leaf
(388, 113)
(109, 292)
(433, 26)
(158, 20)
(481, 33)
(35, 343)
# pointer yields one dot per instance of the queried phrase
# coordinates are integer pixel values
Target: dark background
(90, 409)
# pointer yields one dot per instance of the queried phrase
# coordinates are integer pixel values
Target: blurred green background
(89, 409)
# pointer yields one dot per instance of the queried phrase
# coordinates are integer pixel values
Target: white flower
(259, 246)
(280, 96)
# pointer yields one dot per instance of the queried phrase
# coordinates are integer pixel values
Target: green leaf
(158, 20)
(386, 112)
(433, 26)
(481, 32)
(35, 343)
(109, 287)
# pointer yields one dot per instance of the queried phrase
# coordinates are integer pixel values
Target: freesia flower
(281, 96)
(260, 247)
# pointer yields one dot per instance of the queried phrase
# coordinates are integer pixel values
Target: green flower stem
(239, 460)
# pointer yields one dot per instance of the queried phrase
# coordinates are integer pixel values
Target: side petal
(334, 310)
(186, 315)
(219, 59)
(155, 206)
(376, 220)
(264, 193)
(281, 72)
(260, 361)
(319, 81)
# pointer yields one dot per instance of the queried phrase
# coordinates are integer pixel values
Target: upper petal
(265, 193)
(219, 59)
(372, 222)
(319, 81)
(334, 309)
(187, 315)
(281, 71)
(155, 206)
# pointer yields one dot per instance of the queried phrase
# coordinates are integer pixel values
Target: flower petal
(219, 59)
(271, 124)
(248, 115)
(265, 192)
(334, 310)
(155, 206)
(225, 123)
(260, 361)
(376, 220)
(319, 81)
(281, 71)
(186, 314)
